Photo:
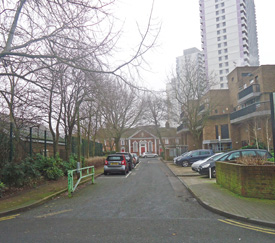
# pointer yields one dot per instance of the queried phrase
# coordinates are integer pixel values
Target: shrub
(49, 167)
(12, 175)
(249, 160)
(69, 165)
(2, 188)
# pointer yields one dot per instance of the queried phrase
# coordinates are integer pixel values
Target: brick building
(239, 115)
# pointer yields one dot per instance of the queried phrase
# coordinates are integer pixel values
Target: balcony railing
(256, 109)
(249, 92)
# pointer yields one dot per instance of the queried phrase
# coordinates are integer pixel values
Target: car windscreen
(114, 158)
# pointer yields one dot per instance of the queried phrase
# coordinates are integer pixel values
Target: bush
(12, 175)
(2, 188)
(249, 160)
(69, 165)
(49, 167)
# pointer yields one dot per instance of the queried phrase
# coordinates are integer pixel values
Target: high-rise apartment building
(229, 37)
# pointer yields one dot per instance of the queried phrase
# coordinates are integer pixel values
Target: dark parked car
(231, 156)
(194, 155)
(116, 163)
(129, 159)
(177, 159)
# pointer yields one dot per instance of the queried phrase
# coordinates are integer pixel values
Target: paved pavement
(222, 201)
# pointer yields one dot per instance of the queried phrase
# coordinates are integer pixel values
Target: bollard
(210, 173)
(78, 166)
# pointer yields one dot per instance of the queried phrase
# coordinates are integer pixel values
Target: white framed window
(150, 146)
(166, 141)
(122, 141)
(177, 141)
(135, 147)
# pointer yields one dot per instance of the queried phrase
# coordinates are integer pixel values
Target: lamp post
(272, 107)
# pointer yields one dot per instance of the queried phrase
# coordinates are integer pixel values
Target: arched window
(135, 147)
(150, 145)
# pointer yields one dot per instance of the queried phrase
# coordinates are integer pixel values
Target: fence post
(70, 183)
(45, 143)
(11, 142)
(93, 176)
(30, 141)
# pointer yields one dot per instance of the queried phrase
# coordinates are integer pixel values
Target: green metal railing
(90, 171)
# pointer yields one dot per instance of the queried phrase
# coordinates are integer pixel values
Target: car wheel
(155, 156)
(184, 163)
(213, 172)
(145, 157)
(124, 172)
(105, 173)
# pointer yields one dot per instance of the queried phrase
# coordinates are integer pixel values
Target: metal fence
(17, 144)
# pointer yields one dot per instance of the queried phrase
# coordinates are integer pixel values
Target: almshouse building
(239, 115)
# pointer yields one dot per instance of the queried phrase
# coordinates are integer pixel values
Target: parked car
(176, 159)
(149, 155)
(116, 163)
(136, 157)
(129, 159)
(195, 155)
(196, 164)
(231, 156)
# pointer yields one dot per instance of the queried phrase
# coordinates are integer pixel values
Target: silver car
(195, 165)
(149, 155)
(116, 163)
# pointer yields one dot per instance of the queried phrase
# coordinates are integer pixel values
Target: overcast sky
(181, 30)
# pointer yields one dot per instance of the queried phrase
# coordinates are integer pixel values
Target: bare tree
(157, 114)
(190, 88)
(121, 109)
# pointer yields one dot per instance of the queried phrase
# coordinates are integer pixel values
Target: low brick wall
(248, 181)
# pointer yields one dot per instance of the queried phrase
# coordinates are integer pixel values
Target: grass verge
(30, 196)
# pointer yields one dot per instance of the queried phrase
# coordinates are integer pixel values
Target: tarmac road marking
(9, 217)
(247, 226)
(54, 213)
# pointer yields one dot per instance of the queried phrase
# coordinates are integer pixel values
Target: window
(217, 19)
(219, 52)
(177, 141)
(220, 65)
(226, 57)
(221, 85)
(227, 70)
(217, 12)
(217, 131)
(223, 10)
(224, 131)
(223, 24)
(225, 50)
(225, 44)
(224, 37)
(204, 152)
(226, 64)
(221, 71)
(122, 141)
(223, 17)
(217, 6)
(150, 146)
(224, 30)
(219, 39)
(135, 147)
(218, 32)
(219, 45)
(234, 156)
(249, 153)
(218, 25)
(222, 4)
(220, 58)
(221, 78)
(166, 141)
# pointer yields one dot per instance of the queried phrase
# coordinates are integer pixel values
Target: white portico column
(129, 145)
(156, 146)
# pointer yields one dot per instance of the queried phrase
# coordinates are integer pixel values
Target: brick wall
(248, 181)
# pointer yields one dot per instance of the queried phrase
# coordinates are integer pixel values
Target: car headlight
(205, 166)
